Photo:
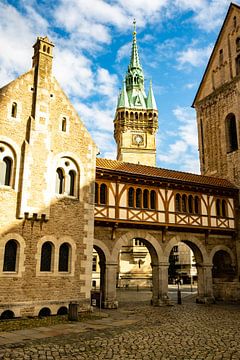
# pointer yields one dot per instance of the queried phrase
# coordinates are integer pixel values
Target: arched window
(96, 193)
(190, 204)
(10, 256)
(46, 256)
(178, 202)
(59, 181)
(224, 208)
(44, 48)
(238, 65)
(196, 205)
(130, 197)
(103, 194)
(218, 207)
(231, 133)
(153, 199)
(221, 57)
(64, 124)
(5, 171)
(14, 110)
(238, 43)
(72, 176)
(145, 199)
(138, 198)
(184, 203)
(63, 262)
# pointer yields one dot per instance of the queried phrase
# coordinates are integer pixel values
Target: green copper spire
(134, 62)
(151, 102)
(123, 98)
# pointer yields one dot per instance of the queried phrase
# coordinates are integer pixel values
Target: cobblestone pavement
(135, 331)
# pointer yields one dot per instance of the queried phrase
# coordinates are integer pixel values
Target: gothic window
(64, 124)
(184, 203)
(231, 133)
(145, 199)
(153, 199)
(103, 194)
(221, 57)
(72, 176)
(138, 198)
(131, 197)
(190, 204)
(96, 193)
(63, 263)
(234, 21)
(14, 110)
(10, 256)
(178, 202)
(238, 65)
(46, 256)
(59, 181)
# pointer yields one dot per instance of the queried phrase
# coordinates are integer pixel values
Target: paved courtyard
(136, 331)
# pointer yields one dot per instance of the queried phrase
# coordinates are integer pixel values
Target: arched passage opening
(137, 271)
(190, 270)
(98, 276)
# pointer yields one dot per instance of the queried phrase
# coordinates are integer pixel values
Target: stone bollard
(73, 311)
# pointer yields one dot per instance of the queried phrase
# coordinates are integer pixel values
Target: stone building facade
(47, 165)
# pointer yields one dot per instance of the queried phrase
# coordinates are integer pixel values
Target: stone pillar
(205, 286)
(110, 301)
(160, 284)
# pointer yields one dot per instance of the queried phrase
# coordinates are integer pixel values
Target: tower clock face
(138, 139)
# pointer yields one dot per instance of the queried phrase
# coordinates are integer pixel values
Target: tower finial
(134, 27)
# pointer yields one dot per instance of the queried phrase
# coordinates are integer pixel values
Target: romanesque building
(47, 172)
(48, 167)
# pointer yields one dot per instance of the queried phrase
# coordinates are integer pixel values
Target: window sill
(65, 196)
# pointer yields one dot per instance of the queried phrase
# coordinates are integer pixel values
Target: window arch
(63, 261)
(138, 198)
(59, 181)
(72, 178)
(131, 197)
(237, 65)
(7, 162)
(196, 205)
(103, 194)
(190, 204)
(184, 203)
(14, 110)
(153, 200)
(67, 177)
(178, 202)
(46, 256)
(146, 199)
(64, 124)
(10, 256)
(218, 207)
(231, 133)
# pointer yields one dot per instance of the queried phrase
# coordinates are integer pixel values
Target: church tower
(217, 104)
(136, 118)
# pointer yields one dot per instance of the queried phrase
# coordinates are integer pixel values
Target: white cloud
(124, 51)
(106, 84)
(193, 56)
(182, 153)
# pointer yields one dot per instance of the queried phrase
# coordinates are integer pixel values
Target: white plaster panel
(171, 218)
(123, 213)
(112, 213)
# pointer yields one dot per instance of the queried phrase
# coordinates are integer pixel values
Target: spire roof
(151, 102)
(134, 62)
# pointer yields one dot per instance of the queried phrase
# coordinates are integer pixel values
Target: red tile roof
(161, 174)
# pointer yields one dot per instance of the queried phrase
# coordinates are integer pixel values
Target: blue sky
(92, 50)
